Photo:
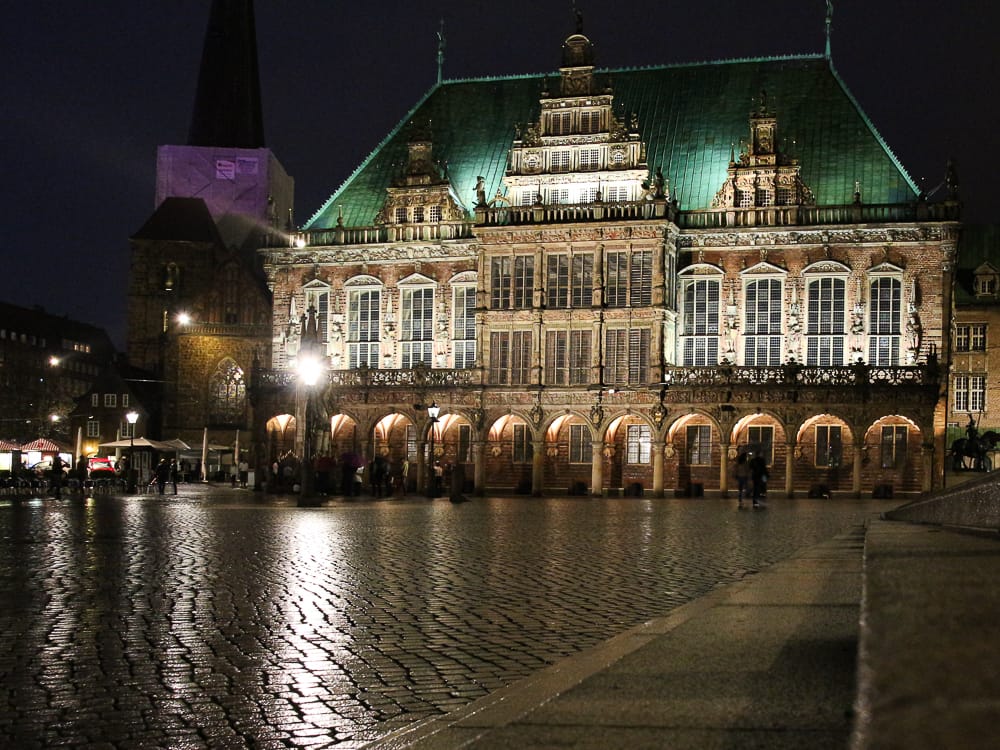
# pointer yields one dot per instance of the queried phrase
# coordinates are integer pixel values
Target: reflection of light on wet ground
(208, 621)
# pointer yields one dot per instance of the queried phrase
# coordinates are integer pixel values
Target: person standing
(173, 470)
(758, 474)
(742, 476)
(161, 475)
(57, 474)
(244, 472)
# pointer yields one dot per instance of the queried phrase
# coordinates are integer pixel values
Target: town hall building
(595, 281)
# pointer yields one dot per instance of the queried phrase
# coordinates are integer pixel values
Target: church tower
(198, 307)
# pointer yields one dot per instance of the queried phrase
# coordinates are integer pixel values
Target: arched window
(227, 395)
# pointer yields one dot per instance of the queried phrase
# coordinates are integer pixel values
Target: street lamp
(132, 417)
(309, 368)
(432, 412)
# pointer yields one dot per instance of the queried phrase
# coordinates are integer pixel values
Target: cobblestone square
(223, 618)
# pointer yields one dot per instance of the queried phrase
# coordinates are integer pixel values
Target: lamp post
(309, 368)
(132, 417)
(432, 412)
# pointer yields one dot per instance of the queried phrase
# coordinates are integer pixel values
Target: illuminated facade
(607, 302)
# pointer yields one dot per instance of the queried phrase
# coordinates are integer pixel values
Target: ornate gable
(762, 176)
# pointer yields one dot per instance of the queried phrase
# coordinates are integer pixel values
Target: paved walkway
(768, 662)
(882, 638)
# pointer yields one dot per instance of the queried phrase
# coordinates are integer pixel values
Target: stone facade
(588, 333)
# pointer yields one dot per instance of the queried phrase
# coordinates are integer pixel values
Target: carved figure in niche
(914, 332)
(858, 319)
(658, 183)
(480, 191)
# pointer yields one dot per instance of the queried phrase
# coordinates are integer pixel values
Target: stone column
(927, 475)
(479, 467)
(859, 454)
(597, 469)
(421, 466)
(658, 468)
(537, 467)
(790, 469)
(724, 469)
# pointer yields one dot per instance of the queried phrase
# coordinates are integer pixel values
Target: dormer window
(400, 215)
(560, 123)
(590, 122)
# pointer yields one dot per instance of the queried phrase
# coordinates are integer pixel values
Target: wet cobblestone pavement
(221, 618)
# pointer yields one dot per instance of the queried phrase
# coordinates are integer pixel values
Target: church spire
(227, 107)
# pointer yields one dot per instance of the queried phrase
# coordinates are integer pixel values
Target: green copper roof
(689, 116)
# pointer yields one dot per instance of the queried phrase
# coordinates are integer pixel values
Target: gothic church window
(227, 394)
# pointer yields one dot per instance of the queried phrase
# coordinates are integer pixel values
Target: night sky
(90, 89)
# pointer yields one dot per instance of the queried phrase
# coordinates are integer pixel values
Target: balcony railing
(798, 375)
(849, 376)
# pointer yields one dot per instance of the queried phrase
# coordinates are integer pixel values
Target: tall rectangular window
(464, 325)
(524, 281)
(520, 358)
(638, 444)
(560, 123)
(522, 450)
(829, 447)
(557, 282)
(560, 161)
(700, 323)
(363, 329)
(970, 337)
(970, 393)
(761, 441)
(579, 357)
(626, 356)
(893, 447)
(581, 449)
(590, 122)
(590, 159)
(762, 344)
(616, 279)
(884, 321)
(500, 358)
(699, 445)
(93, 428)
(111, 399)
(417, 331)
(582, 280)
(557, 357)
(825, 332)
(510, 357)
(641, 278)
(500, 282)
(128, 429)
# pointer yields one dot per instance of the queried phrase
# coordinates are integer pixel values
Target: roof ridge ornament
(829, 28)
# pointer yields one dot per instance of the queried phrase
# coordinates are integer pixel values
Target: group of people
(164, 473)
(751, 477)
